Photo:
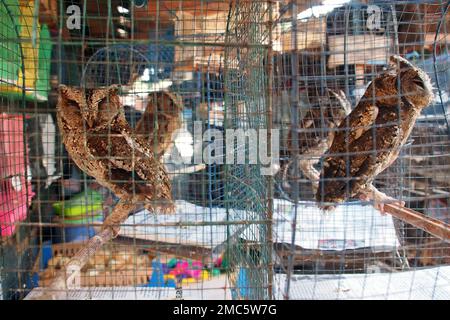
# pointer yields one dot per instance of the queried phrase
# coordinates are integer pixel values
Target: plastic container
(81, 204)
(15, 189)
(82, 228)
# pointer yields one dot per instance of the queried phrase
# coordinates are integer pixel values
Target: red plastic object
(15, 189)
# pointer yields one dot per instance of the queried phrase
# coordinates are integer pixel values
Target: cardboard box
(310, 34)
(359, 49)
(113, 265)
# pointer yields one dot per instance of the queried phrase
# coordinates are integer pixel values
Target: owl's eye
(73, 104)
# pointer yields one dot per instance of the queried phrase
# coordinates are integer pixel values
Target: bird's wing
(343, 101)
(347, 169)
(131, 163)
(311, 133)
(150, 170)
(136, 142)
(150, 128)
(354, 126)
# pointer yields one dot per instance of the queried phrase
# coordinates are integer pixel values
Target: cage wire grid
(231, 65)
(326, 52)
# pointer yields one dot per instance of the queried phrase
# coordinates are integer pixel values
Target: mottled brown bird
(315, 134)
(101, 143)
(160, 120)
(369, 139)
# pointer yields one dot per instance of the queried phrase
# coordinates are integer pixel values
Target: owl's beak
(89, 115)
(91, 118)
(90, 122)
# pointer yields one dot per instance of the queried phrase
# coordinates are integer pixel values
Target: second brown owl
(369, 139)
(160, 120)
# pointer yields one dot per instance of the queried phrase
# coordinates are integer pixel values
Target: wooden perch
(431, 225)
(69, 276)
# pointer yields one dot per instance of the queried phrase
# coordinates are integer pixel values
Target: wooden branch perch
(69, 277)
(431, 225)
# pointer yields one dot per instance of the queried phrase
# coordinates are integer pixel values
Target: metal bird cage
(343, 47)
(114, 65)
(219, 234)
(243, 77)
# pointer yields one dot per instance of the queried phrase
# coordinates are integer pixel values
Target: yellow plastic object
(187, 280)
(30, 43)
(205, 275)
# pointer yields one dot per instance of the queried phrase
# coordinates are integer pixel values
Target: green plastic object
(83, 219)
(17, 29)
(84, 203)
(9, 50)
(172, 263)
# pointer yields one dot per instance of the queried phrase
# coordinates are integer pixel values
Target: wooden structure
(114, 266)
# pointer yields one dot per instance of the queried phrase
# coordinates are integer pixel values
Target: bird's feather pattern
(369, 139)
(106, 148)
(160, 120)
(315, 133)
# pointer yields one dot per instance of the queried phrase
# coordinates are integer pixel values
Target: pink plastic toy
(218, 262)
(195, 271)
(190, 270)
(15, 190)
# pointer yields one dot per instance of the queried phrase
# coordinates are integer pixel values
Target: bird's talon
(381, 205)
(380, 200)
(114, 229)
(363, 197)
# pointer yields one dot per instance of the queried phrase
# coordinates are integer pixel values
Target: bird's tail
(324, 201)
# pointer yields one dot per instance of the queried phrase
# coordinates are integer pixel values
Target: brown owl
(101, 142)
(369, 139)
(315, 134)
(160, 120)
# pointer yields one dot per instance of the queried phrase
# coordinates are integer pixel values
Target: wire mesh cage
(182, 149)
(172, 62)
(330, 54)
